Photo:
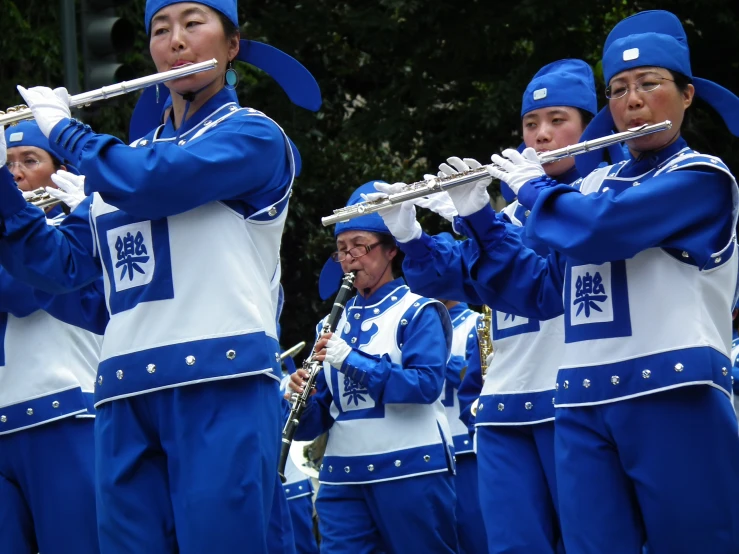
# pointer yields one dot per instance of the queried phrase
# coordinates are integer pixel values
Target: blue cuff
(366, 370)
(68, 139)
(11, 198)
(530, 191)
(485, 226)
(419, 248)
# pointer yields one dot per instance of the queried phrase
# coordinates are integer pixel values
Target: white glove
(471, 198)
(337, 351)
(71, 189)
(516, 168)
(439, 203)
(49, 107)
(400, 219)
(3, 147)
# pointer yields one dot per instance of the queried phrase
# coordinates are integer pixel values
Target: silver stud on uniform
(646, 374)
(151, 368)
(586, 383)
(29, 411)
(404, 322)
(231, 354)
(717, 260)
(556, 386)
(119, 374)
(566, 384)
(501, 407)
(679, 367)
(330, 469)
(190, 360)
(371, 467)
(480, 407)
(685, 254)
(724, 371)
(416, 304)
(3, 419)
(143, 142)
(346, 469)
(354, 340)
(615, 379)
(100, 380)
(55, 404)
(528, 405)
(272, 211)
(397, 463)
(393, 298)
(182, 143)
(357, 316)
(376, 311)
(426, 458)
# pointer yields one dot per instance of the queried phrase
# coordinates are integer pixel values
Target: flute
(420, 189)
(22, 112)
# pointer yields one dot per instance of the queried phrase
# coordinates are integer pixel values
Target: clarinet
(312, 367)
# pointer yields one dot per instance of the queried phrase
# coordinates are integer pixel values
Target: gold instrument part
(42, 199)
(485, 344)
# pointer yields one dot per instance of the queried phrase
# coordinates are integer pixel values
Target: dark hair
(585, 116)
(681, 84)
(388, 242)
(229, 29)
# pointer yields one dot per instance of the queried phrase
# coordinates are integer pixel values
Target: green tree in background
(406, 83)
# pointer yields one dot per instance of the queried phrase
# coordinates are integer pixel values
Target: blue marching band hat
(653, 38)
(297, 82)
(568, 82)
(28, 133)
(331, 274)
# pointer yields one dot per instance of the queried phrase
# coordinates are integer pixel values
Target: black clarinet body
(312, 366)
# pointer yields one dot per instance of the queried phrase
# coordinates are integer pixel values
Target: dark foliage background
(406, 83)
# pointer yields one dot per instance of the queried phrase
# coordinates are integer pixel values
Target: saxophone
(485, 344)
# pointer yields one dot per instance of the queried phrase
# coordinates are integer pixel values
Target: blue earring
(232, 78)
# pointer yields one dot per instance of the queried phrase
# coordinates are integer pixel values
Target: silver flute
(22, 112)
(420, 189)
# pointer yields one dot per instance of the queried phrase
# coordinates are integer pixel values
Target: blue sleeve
(316, 418)
(507, 275)
(84, 308)
(471, 386)
(54, 259)
(688, 209)
(454, 371)
(436, 269)
(419, 378)
(245, 158)
(17, 298)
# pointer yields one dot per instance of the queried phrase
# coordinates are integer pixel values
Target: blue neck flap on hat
(297, 82)
(654, 38)
(566, 82)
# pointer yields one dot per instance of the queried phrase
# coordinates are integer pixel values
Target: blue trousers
(518, 488)
(301, 512)
(470, 526)
(188, 470)
(280, 539)
(661, 469)
(47, 493)
(415, 514)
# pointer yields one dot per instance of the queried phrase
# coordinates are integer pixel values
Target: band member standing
(190, 361)
(642, 392)
(515, 414)
(470, 526)
(47, 372)
(387, 480)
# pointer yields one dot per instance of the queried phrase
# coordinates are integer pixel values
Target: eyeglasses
(356, 252)
(647, 83)
(29, 164)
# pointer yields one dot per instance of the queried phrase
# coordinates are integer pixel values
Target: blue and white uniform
(470, 526)
(185, 227)
(387, 482)
(47, 372)
(515, 414)
(642, 392)
(299, 492)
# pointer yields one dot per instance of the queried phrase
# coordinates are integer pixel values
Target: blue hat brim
(720, 99)
(297, 82)
(330, 279)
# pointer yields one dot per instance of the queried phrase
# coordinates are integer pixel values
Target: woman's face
(371, 268)
(31, 167)
(187, 33)
(547, 129)
(636, 108)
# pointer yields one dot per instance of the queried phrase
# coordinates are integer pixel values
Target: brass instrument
(485, 344)
(22, 112)
(420, 189)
